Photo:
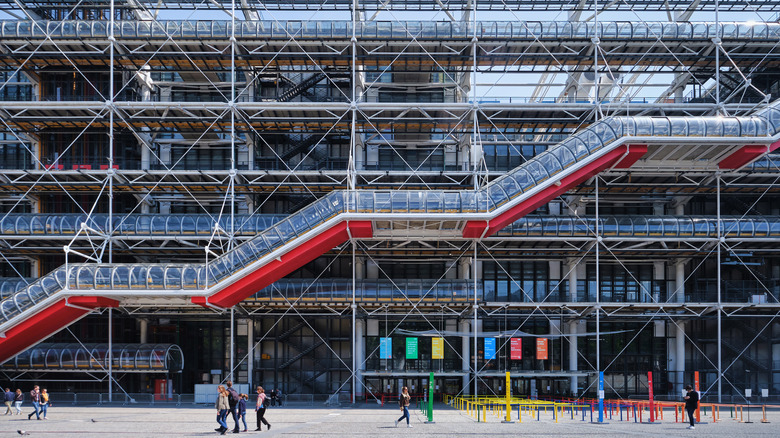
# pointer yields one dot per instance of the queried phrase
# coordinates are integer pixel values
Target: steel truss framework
(375, 115)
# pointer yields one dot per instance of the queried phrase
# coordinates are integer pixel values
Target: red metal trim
(361, 229)
(47, 322)
(475, 229)
(287, 263)
(93, 302)
(745, 155)
(635, 152)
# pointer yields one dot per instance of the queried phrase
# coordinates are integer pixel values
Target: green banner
(411, 348)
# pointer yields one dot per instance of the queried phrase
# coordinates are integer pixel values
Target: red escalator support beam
(48, 321)
(287, 263)
(624, 156)
(746, 154)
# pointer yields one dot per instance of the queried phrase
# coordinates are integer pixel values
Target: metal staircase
(611, 143)
(302, 86)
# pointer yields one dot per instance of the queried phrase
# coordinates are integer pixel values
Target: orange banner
(541, 348)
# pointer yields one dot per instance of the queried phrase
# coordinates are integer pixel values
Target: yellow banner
(437, 347)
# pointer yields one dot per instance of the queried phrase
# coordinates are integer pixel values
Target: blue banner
(385, 348)
(490, 348)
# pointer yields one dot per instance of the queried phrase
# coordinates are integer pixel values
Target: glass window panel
(686, 227)
(537, 171)
(523, 179)
(382, 202)
(138, 277)
(155, 277)
(120, 279)
(173, 278)
(400, 201)
(189, 278)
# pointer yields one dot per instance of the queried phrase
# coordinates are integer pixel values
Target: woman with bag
(18, 399)
(403, 401)
(222, 409)
(260, 408)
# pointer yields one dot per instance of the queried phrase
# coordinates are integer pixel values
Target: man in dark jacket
(233, 402)
(35, 396)
(691, 404)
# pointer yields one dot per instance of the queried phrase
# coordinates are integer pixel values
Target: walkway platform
(360, 421)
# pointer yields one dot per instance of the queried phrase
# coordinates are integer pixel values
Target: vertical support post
(110, 353)
(696, 388)
(250, 348)
(573, 359)
(508, 409)
(476, 309)
(232, 342)
(717, 42)
(109, 175)
(354, 329)
(598, 310)
(718, 282)
(596, 42)
(430, 398)
(601, 396)
(110, 170)
(650, 396)
(233, 171)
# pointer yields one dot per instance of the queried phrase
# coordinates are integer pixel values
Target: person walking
(44, 402)
(35, 396)
(279, 396)
(272, 398)
(18, 399)
(260, 407)
(242, 409)
(691, 404)
(403, 401)
(222, 406)
(233, 402)
(9, 401)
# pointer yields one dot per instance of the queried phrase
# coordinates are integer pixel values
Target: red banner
(541, 348)
(516, 348)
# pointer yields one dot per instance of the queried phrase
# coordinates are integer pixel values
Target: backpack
(233, 400)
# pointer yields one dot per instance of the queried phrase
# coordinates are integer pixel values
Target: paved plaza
(360, 421)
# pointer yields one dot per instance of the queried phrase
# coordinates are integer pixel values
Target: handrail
(150, 225)
(517, 31)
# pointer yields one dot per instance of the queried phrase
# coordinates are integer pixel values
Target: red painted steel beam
(746, 154)
(287, 263)
(48, 321)
(625, 156)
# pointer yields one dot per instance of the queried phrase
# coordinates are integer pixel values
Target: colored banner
(516, 348)
(490, 348)
(385, 348)
(437, 348)
(411, 348)
(541, 348)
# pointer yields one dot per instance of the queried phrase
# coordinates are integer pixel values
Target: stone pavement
(363, 420)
